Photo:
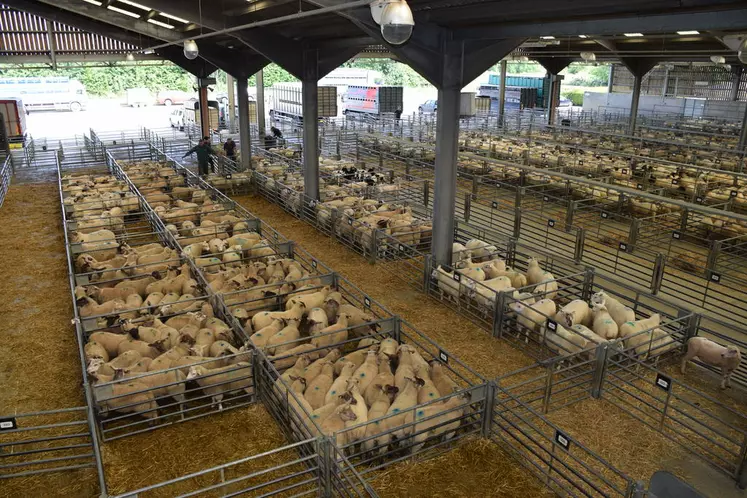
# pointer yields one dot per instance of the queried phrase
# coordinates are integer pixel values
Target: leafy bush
(575, 96)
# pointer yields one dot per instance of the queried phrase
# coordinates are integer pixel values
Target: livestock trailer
(13, 119)
(376, 100)
(286, 102)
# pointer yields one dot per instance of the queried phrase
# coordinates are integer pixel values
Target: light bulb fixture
(395, 19)
(718, 59)
(129, 57)
(397, 22)
(190, 50)
(589, 56)
(742, 52)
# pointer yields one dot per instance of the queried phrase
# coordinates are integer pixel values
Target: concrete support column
(743, 134)
(231, 110)
(611, 78)
(555, 81)
(245, 137)
(260, 77)
(502, 97)
(447, 147)
(310, 123)
(204, 111)
(736, 77)
(638, 78)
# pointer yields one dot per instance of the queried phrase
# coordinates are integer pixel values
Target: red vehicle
(170, 97)
(12, 122)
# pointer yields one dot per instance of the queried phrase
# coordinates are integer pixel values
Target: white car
(176, 118)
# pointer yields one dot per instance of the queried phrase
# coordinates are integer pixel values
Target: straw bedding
(39, 369)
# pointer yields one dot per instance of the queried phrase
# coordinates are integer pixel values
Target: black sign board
(350, 221)
(715, 277)
(698, 199)
(675, 182)
(623, 246)
(604, 215)
(401, 248)
(313, 263)
(457, 277)
(229, 176)
(640, 186)
(733, 193)
(545, 198)
(8, 424)
(552, 325)
(367, 302)
(676, 235)
(663, 382)
(562, 440)
(551, 223)
(495, 204)
(625, 171)
(443, 356)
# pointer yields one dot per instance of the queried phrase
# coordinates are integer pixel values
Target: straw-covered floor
(39, 365)
(153, 457)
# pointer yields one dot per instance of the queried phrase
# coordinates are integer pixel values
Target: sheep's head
(567, 317)
(731, 352)
(346, 413)
(94, 364)
(598, 298)
(195, 371)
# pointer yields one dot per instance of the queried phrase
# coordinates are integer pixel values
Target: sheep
(316, 390)
(400, 412)
(714, 354)
(487, 291)
(366, 372)
(479, 249)
(458, 253)
(340, 383)
(529, 318)
(603, 324)
(383, 395)
(354, 397)
(130, 397)
(618, 311)
(438, 418)
(441, 380)
(453, 288)
(577, 311)
(334, 334)
(588, 334)
(638, 334)
(217, 382)
(285, 339)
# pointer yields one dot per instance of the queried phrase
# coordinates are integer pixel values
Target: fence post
(475, 184)
(426, 193)
(511, 252)
(374, 249)
(381, 159)
(427, 265)
(569, 215)
(713, 255)
(578, 251)
(741, 476)
(517, 221)
(658, 273)
(683, 221)
(357, 148)
(635, 226)
(467, 206)
(326, 461)
(548, 387)
(600, 370)
(588, 283)
(487, 417)
(498, 313)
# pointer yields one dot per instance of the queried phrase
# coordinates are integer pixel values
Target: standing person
(230, 149)
(204, 151)
(397, 115)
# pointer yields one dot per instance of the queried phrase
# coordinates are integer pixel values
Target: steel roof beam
(197, 67)
(732, 18)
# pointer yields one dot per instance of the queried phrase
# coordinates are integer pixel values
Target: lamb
(438, 418)
(450, 286)
(714, 354)
(603, 325)
(487, 291)
(638, 334)
(529, 318)
(131, 397)
(618, 311)
(577, 311)
(479, 249)
(458, 253)
(218, 382)
(382, 395)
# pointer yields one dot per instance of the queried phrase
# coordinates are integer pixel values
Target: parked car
(139, 97)
(176, 118)
(171, 97)
(428, 106)
(565, 102)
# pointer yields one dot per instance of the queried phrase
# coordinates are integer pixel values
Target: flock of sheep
(535, 311)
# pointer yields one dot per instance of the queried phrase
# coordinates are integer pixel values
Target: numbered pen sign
(676, 235)
(350, 221)
(457, 277)
(229, 176)
(510, 149)
(733, 193)
(544, 156)
(675, 182)
(401, 248)
(367, 302)
(589, 175)
(640, 186)
(495, 204)
(552, 325)
(8, 424)
(623, 246)
(663, 382)
(698, 199)
(313, 263)
(443, 356)
(580, 162)
(551, 223)
(604, 215)
(545, 198)
(625, 171)
(562, 440)
(715, 277)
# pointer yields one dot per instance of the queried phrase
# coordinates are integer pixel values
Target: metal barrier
(6, 171)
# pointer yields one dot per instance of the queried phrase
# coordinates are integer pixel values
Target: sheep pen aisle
(38, 365)
(39, 344)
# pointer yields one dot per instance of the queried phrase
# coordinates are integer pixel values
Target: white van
(176, 118)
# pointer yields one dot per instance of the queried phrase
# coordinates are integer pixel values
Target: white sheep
(480, 250)
(618, 311)
(716, 355)
(458, 253)
(487, 291)
(530, 318)
(577, 311)
(451, 287)
(639, 334)
(603, 325)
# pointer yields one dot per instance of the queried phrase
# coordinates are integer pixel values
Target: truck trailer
(286, 102)
(373, 100)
